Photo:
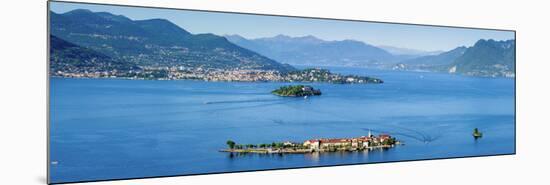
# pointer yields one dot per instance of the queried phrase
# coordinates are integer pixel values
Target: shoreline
(200, 80)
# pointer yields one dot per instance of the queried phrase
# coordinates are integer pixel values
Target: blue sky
(428, 38)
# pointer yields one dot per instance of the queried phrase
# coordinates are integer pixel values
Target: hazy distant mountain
(309, 50)
(154, 42)
(487, 58)
(442, 59)
(408, 52)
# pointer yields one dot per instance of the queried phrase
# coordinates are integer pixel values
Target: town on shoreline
(226, 75)
(363, 143)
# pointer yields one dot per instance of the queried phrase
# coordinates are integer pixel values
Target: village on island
(363, 143)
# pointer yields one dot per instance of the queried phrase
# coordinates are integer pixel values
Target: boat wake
(245, 101)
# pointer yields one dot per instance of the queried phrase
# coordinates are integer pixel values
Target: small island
(296, 91)
(477, 134)
(362, 143)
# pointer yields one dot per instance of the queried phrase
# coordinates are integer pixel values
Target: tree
(389, 141)
(477, 133)
(230, 144)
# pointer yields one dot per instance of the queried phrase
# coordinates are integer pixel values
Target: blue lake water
(112, 128)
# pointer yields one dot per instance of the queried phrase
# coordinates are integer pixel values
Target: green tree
(230, 144)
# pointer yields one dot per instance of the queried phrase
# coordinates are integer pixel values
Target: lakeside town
(363, 143)
(228, 75)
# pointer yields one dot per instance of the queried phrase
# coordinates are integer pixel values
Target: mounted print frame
(141, 92)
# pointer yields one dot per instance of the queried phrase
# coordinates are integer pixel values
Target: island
(477, 134)
(296, 91)
(363, 143)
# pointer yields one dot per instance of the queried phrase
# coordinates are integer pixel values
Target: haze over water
(113, 128)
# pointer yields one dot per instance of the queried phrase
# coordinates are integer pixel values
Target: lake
(115, 128)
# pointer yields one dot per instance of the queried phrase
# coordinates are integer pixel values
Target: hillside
(68, 57)
(442, 59)
(487, 58)
(154, 42)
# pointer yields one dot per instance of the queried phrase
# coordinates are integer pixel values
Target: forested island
(296, 90)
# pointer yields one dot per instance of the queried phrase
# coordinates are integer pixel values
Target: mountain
(309, 50)
(442, 59)
(487, 58)
(69, 57)
(154, 42)
(408, 52)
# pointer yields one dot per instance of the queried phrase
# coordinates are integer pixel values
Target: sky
(426, 38)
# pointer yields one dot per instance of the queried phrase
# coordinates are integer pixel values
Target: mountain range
(433, 62)
(310, 50)
(81, 39)
(154, 42)
(484, 58)
(487, 58)
(407, 51)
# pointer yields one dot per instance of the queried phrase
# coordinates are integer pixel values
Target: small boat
(305, 97)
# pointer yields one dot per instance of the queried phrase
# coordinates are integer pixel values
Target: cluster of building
(86, 74)
(360, 143)
(318, 145)
(244, 75)
(324, 75)
(211, 74)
